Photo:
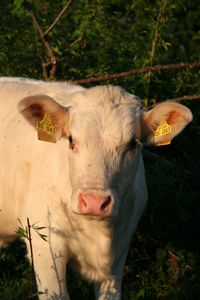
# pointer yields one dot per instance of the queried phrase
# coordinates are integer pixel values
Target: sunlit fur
(41, 180)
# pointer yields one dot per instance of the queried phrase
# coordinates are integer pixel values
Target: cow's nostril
(106, 203)
(84, 202)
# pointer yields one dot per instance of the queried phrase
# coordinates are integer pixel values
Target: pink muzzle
(94, 204)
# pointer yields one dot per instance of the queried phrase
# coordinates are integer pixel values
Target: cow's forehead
(111, 123)
(105, 95)
(104, 111)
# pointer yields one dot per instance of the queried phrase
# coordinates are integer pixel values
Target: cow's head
(104, 128)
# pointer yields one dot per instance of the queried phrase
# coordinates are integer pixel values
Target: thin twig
(157, 29)
(155, 39)
(32, 259)
(138, 71)
(58, 18)
(47, 46)
(77, 41)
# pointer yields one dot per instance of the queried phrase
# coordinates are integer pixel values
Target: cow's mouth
(91, 217)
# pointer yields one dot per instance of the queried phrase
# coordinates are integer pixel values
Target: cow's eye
(71, 142)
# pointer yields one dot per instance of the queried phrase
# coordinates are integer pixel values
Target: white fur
(41, 181)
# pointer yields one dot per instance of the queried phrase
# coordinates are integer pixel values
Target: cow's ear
(38, 107)
(164, 121)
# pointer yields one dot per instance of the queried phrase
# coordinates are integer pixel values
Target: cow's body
(89, 196)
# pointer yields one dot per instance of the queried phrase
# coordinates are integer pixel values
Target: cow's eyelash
(71, 142)
(131, 145)
(70, 139)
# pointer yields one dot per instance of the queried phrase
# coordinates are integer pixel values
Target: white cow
(88, 189)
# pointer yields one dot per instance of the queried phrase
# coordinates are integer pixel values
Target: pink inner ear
(172, 119)
(36, 111)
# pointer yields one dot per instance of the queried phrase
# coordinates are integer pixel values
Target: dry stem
(32, 259)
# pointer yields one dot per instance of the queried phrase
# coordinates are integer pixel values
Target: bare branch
(185, 98)
(48, 48)
(46, 44)
(139, 71)
(58, 18)
(44, 65)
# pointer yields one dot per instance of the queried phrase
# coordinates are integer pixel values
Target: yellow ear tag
(46, 130)
(163, 129)
(164, 143)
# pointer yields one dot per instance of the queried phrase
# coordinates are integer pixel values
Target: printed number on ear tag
(46, 130)
(163, 128)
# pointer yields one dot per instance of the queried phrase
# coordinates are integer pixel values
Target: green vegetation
(100, 37)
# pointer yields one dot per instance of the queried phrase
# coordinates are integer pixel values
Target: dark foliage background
(108, 36)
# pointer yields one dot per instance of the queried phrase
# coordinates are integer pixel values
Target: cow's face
(103, 156)
(104, 127)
